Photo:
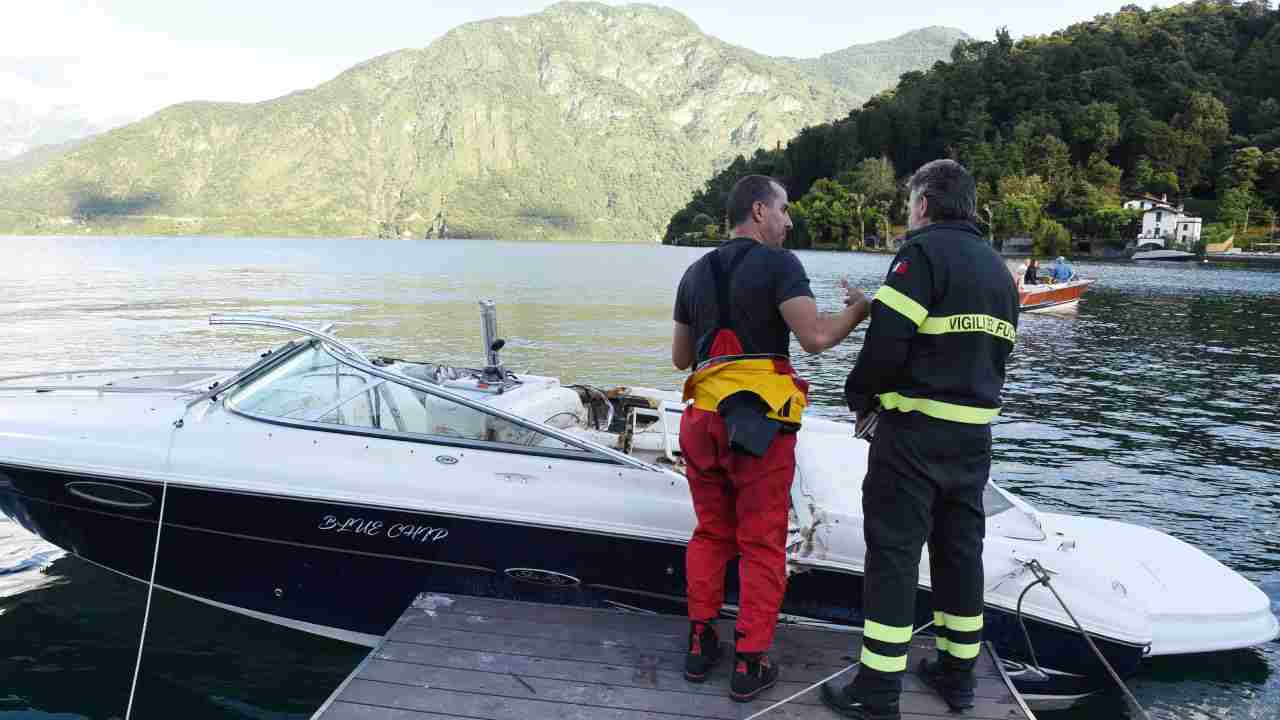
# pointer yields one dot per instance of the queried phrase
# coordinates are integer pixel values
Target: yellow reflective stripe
(905, 306)
(962, 651)
(883, 663)
(942, 642)
(887, 633)
(939, 619)
(963, 623)
(940, 410)
(972, 322)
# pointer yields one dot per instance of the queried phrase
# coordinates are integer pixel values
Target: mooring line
(151, 586)
(1042, 578)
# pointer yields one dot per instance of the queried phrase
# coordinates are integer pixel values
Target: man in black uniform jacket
(928, 379)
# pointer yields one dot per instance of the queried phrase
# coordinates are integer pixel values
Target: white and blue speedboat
(321, 489)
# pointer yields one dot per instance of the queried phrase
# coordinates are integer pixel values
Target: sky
(118, 60)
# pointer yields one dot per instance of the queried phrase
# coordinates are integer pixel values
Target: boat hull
(1163, 256)
(348, 571)
(1056, 296)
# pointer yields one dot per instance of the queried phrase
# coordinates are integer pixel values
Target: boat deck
(468, 657)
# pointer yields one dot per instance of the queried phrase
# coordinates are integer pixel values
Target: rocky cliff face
(584, 120)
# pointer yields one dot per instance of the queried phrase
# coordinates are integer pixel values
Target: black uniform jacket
(942, 326)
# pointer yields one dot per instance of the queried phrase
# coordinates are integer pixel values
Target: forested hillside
(1058, 129)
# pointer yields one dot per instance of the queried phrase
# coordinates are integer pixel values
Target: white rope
(146, 615)
(830, 677)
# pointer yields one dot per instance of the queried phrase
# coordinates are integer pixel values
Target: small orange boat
(1051, 296)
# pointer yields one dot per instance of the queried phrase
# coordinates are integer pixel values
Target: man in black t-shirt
(734, 314)
(763, 280)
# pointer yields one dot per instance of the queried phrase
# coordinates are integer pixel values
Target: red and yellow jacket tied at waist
(772, 379)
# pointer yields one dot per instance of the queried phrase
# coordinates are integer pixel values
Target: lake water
(1154, 404)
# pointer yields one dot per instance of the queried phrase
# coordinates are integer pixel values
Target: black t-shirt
(762, 281)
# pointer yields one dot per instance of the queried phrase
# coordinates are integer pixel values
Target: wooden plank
(709, 699)
(599, 618)
(522, 699)
(484, 706)
(554, 632)
(357, 711)
(809, 663)
(503, 660)
(617, 627)
(362, 711)
(645, 669)
(655, 634)
(483, 610)
(647, 675)
(610, 620)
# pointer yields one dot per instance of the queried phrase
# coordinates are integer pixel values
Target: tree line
(1058, 130)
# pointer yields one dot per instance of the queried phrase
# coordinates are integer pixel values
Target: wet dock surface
(469, 657)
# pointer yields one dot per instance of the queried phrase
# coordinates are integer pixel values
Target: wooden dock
(469, 657)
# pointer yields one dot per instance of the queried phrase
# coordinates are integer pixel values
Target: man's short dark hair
(746, 193)
(949, 188)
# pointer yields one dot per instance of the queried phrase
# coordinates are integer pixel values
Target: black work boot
(844, 700)
(753, 673)
(704, 651)
(955, 685)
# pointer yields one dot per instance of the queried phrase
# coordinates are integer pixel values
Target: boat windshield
(1007, 518)
(993, 501)
(315, 387)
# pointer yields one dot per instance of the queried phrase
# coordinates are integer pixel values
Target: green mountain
(35, 158)
(865, 70)
(23, 127)
(1058, 129)
(584, 120)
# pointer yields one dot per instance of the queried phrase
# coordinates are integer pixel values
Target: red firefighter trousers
(742, 503)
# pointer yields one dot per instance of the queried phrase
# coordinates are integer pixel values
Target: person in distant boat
(928, 377)
(1032, 275)
(735, 312)
(1020, 274)
(1062, 271)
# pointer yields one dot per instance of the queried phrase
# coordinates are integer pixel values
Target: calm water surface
(1154, 404)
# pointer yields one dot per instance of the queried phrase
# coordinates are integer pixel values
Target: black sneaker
(955, 686)
(752, 675)
(704, 651)
(841, 699)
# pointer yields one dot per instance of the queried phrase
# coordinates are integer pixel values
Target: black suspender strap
(722, 278)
